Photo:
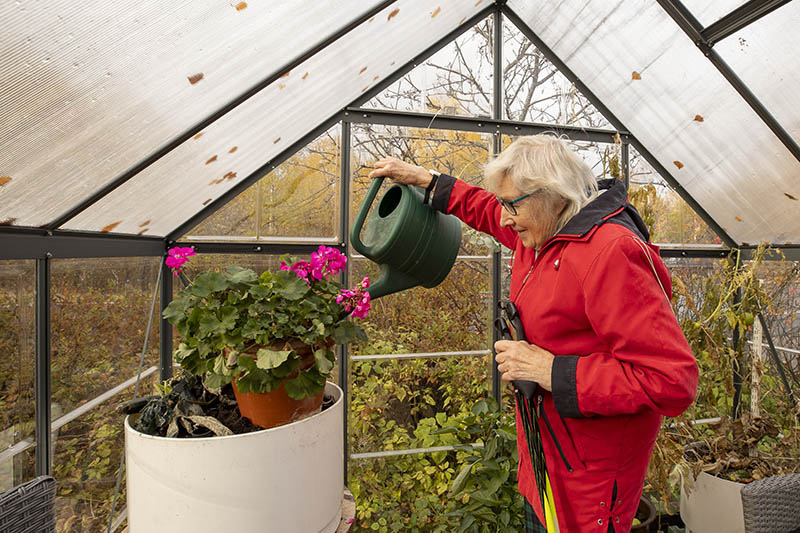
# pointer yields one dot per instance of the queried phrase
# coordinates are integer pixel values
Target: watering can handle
(355, 232)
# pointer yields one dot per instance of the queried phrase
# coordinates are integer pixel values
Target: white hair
(545, 163)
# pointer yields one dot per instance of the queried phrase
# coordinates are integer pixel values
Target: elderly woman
(594, 300)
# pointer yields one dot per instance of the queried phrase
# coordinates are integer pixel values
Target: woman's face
(536, 218)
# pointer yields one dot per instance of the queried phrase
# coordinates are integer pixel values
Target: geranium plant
(247, 326)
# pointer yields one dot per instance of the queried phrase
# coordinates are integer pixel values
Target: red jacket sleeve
(649, 364)
(476, 207)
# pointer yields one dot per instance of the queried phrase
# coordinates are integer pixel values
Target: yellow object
(549, 504)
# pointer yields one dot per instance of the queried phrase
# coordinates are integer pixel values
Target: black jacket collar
(611, 206)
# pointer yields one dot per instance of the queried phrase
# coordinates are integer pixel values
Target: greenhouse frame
(128, 126)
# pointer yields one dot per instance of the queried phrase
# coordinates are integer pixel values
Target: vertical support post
(165, 328)
(736, 411)
(778, 365)
(344, 239)
(626, 165)
(497, 259)
(44, 459)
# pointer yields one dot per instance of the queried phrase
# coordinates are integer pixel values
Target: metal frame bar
(44, 459)
(34, 243)
(165, 328)
(418, 355)
(625, 157)
(777, 360)
(492, 126)
(690, 25)
(566, 71)
(344, 237)
(324, 126)
(739, 18)
(266, 248)
(738, 360)
(195, 128)
(497, 140)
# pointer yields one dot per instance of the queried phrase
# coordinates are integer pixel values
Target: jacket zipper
(553, 435)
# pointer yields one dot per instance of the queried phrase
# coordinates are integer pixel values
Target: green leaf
(238, 274)
(344, 332)
(323, 363)
(208, 282)
(461, 480)
(480, 408)
(292, 288)
(268, 359)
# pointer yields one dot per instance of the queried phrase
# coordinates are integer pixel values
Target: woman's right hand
(401, 172)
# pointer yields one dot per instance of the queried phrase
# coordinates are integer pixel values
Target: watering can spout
(412, 243)
(391, 280)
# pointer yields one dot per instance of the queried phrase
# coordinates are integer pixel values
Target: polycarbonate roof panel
(636, 60)
(764, 55)
(181, 183)
(88, 89)
(710, 11)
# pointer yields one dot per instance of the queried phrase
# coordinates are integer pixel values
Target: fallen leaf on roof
(392, 63)
(678, 164)
(282, 86)
(789, 196)
(636, 76)
(393, 13)
(197, 136)
(305, 76)
(737, 219)
(211, 159)
(460, 22)
(365, 88)
(195, 78)
(478, 3)
(229, 175)
(143, 224)
(4, 180)
(370, 20)
(207, 201)
(233, 149)
(375, 78)
(241, 5)
(143, 231)
(276, 140)
(698, 118)
(436, 12)
(362, 70)
(8, 222)
(111, 226)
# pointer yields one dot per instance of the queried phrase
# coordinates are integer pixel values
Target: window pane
(456, 80)
(535, 90)
(99, 315)
(710, 11)
(17, 367)
(459, 154)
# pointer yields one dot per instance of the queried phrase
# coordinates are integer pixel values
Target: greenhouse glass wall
(247, 131)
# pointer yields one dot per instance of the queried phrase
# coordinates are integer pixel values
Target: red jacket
(622, 362)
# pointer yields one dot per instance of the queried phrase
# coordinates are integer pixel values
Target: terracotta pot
(276, 408)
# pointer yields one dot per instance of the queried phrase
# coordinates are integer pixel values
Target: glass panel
(710, 11)
(86, 463)
(450, 317)
(764, 55)
(459, 154)
(99, 315)
(91, 89)
(17, 367)
(535, 91)
(456, 80)
(300, 198)
(668, 217)
(636, 60)
(271, 121)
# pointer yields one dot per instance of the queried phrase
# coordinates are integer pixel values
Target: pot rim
(337, 392)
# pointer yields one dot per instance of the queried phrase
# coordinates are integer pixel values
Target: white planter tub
(284, 479)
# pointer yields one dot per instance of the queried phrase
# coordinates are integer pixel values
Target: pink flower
(356, 299)
(326, 262)
(365, 283)
(177, 257)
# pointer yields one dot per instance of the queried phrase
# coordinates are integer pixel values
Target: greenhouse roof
(141, 118)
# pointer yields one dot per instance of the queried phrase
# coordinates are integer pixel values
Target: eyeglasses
(509, 206)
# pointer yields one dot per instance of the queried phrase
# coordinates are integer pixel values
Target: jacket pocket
(560, 436)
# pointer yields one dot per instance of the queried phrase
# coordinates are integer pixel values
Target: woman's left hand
(519, 360)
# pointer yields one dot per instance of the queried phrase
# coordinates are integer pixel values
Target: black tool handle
(527, 388)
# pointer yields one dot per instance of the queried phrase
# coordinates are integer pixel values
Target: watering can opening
(412, 243)
(390, 201)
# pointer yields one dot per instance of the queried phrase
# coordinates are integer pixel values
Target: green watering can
(412, 243)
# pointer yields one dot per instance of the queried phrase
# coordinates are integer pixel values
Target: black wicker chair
(30, 507)
(772, 504)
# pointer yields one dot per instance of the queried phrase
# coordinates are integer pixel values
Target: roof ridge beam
(739, 18)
